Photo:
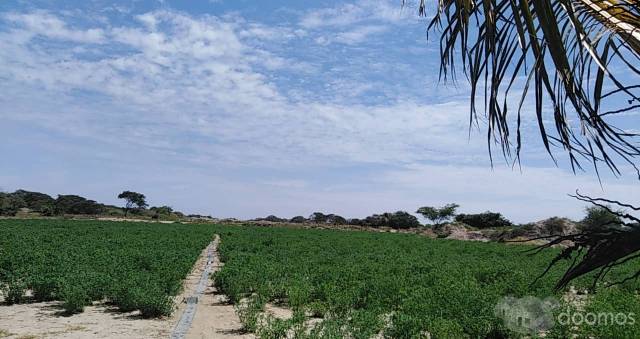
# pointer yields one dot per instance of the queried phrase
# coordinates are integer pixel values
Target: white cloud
(47, 25)
(203, 91)
(353, 13)
(359, 34)
(201, 76)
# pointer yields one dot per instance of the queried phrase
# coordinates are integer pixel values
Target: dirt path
(44, 320)
(214, 317)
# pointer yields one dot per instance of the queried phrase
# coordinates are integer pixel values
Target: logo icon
(527, 315)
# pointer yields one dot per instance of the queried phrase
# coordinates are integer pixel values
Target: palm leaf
(566, 51)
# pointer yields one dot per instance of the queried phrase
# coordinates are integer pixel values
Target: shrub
(34, 200)
(9, 205)
(74, 299)
(396, 220)
(484, 220)
(332, 219)
(14, 291)
(273, 218)
(73, 204)
(599, 218)
(298, 219)
(155, 304)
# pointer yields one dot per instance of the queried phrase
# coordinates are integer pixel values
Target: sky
(245, 108)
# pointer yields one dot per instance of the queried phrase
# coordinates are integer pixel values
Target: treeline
(401, 219)
(45, 205)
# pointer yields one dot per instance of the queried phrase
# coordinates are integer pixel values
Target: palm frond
(564, 55)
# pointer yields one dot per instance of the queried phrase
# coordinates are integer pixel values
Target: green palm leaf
(561, 55)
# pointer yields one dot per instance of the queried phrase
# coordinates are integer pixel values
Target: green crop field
(356, 284)
(135, 266)
(363, 284)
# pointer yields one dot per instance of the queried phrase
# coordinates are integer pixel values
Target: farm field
(336, 283)
(401, 286)
(134, 266)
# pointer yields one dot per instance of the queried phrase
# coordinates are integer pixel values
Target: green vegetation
(484, 220)
(135, 266)
(28, 204)
(356, 284)
(401, 285)
(600, 218)
(133, 199)
(438, 214)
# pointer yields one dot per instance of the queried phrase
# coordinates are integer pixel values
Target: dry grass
(4, 333)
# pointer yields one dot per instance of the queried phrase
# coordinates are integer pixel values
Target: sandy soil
(44, 320)
(215, 317)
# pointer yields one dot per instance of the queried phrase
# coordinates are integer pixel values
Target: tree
(133, 199)
(74, 204)
(9, 204)
(397, 220)
(318, 218)
(35, 201)
(570, 54)
(600, 218)
(438, 215)
(484, 220)
(298, 219)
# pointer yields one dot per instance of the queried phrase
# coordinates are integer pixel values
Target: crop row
(134, 266)
(401, 286)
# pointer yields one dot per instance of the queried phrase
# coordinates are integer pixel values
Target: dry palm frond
(604, 248)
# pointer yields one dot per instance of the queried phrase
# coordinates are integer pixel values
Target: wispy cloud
(353, 13)
(292, 115)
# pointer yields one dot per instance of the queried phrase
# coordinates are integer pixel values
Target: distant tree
(318, 217)
(484, 220)
(600, 218)
(165, 210)
(160, 211)
(133, 199)
(298, 219)
(273, 218)
(74, 204)
(355, 221)
(335, 219)
(397, 220)
(438, 215)
(402, 219)
(9, 204)
(35, 201)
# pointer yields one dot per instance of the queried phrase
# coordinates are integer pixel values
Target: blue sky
(244, 109)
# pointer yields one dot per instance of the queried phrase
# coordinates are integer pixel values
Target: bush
(599, 218)
(484, 220)
(298, 219)
(331, 219)
(155, 304)
(35, 201)
(273, 218)
(14, 291)
(73, 204)
(74, 299)
(9, 204)
(397, 220)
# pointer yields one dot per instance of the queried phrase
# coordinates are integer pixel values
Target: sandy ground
(44, 320)
(215, 318)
